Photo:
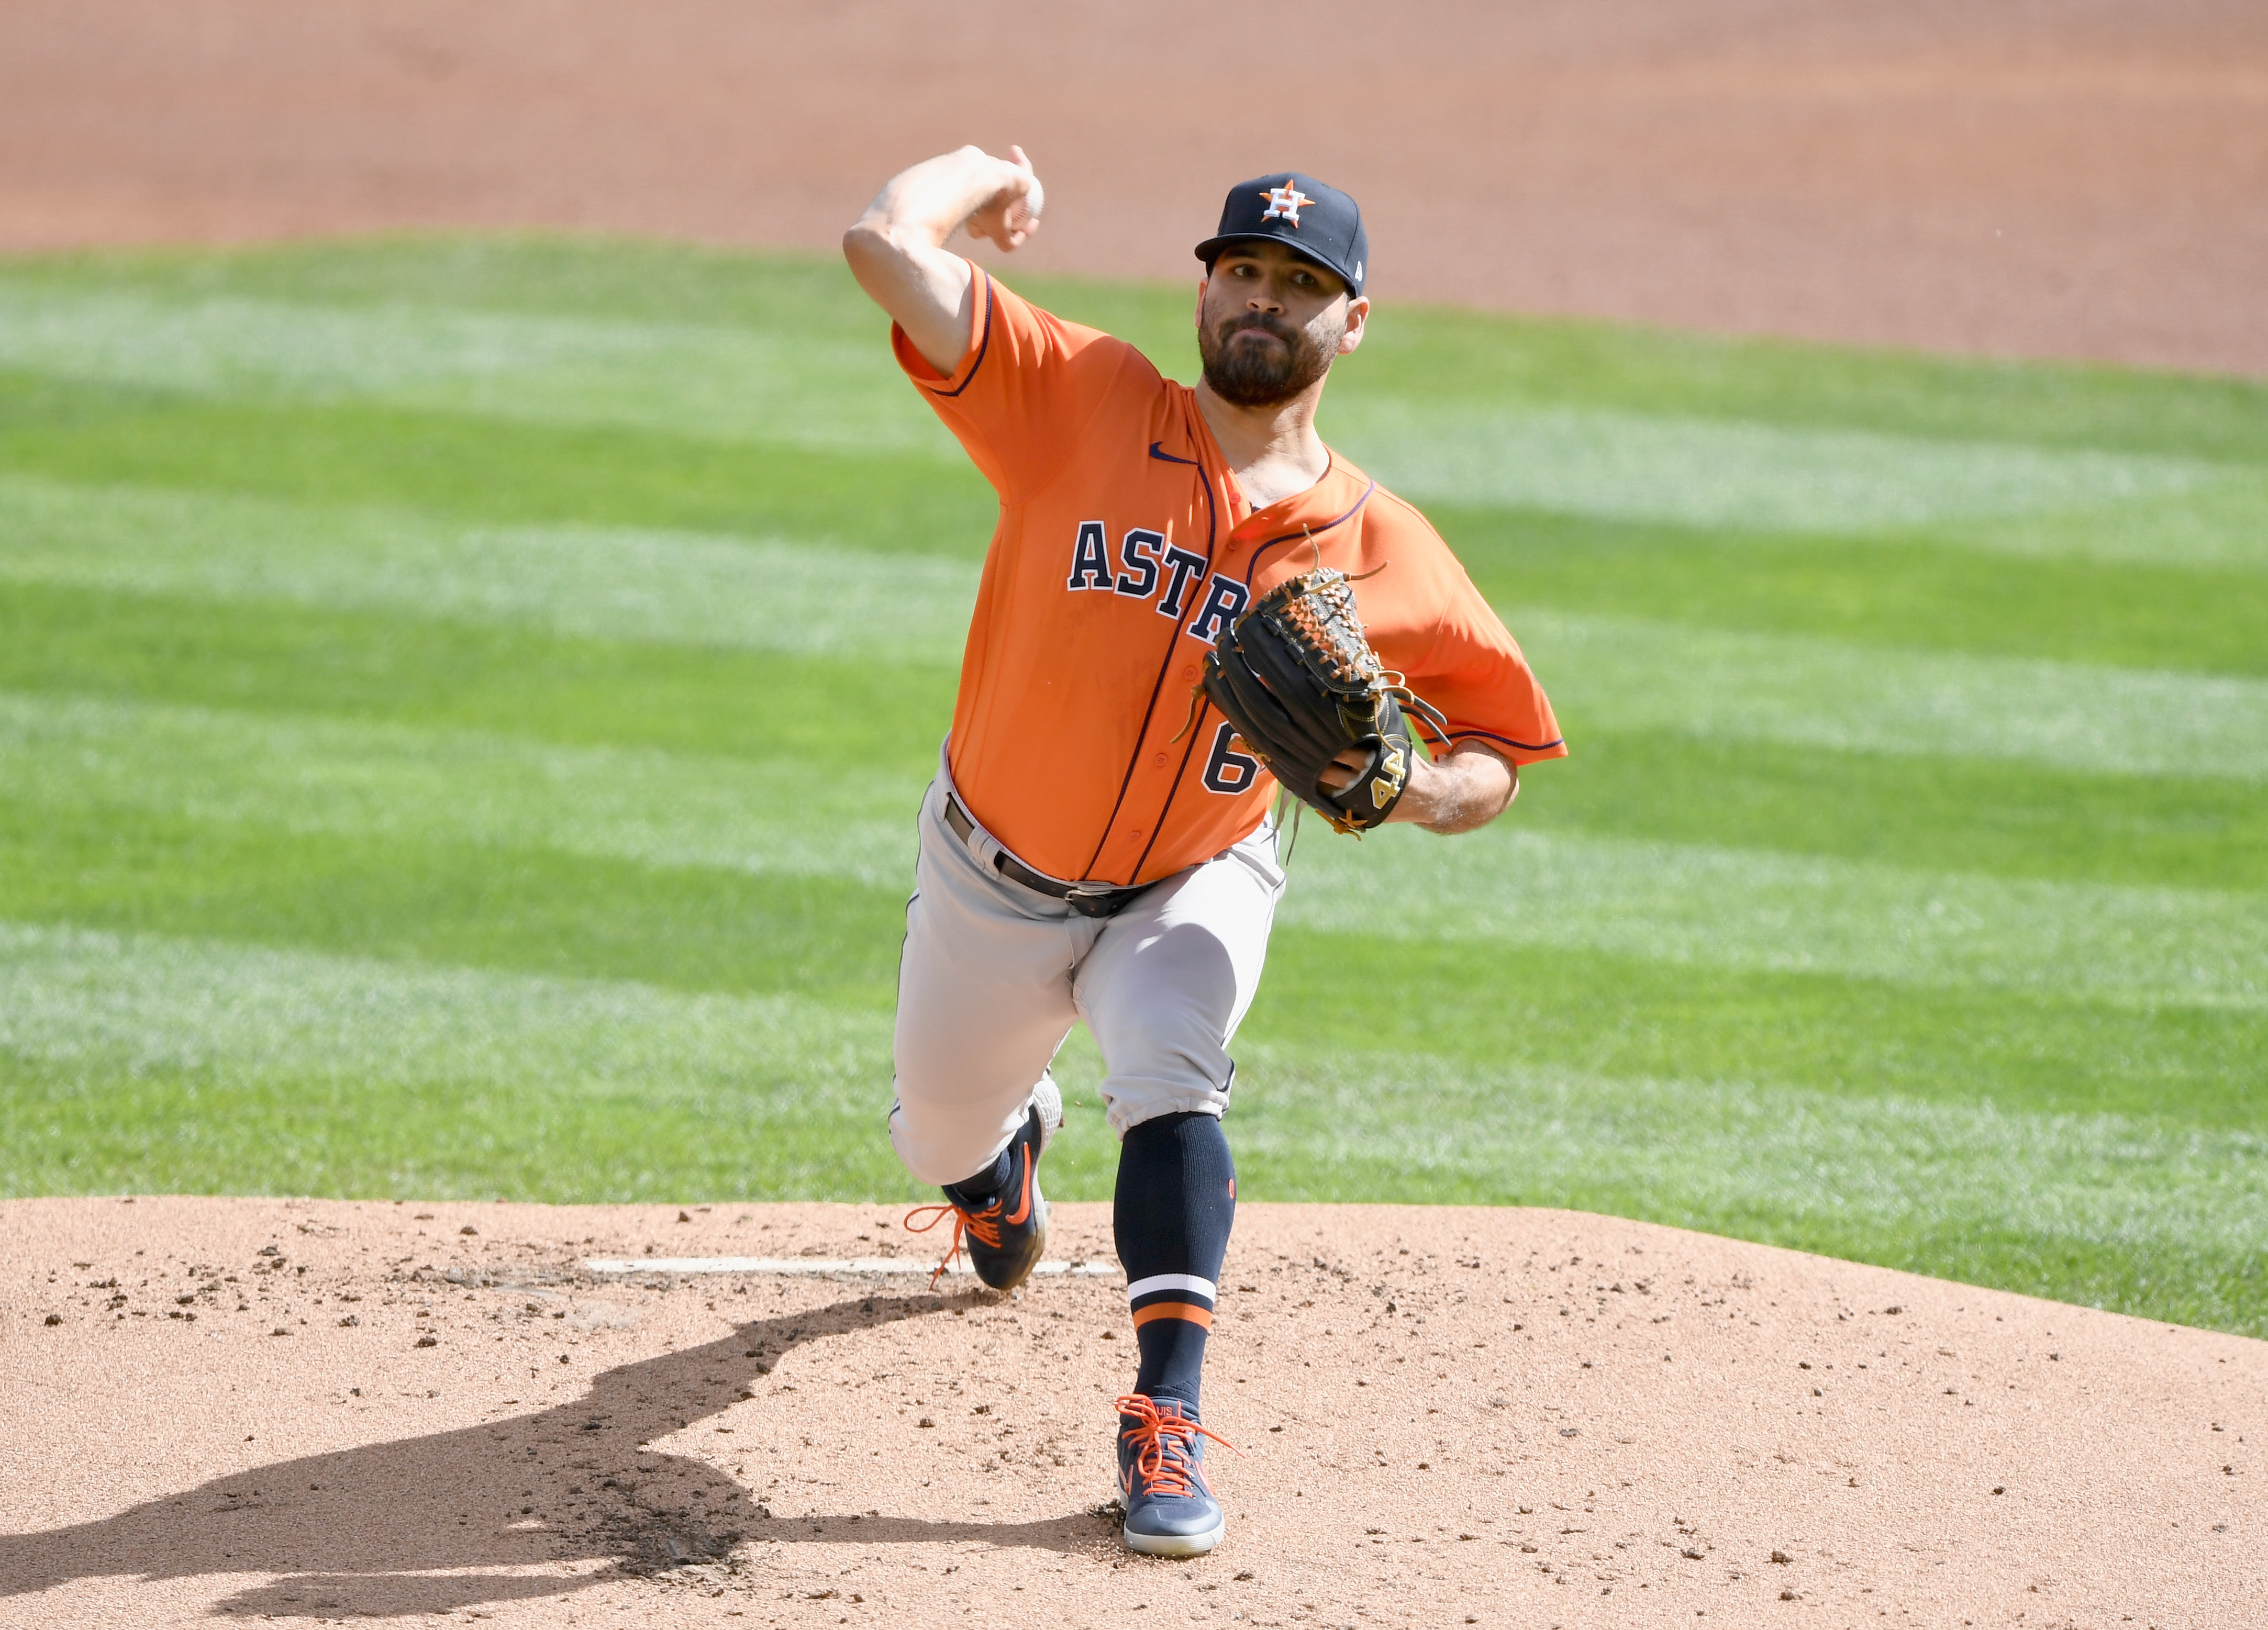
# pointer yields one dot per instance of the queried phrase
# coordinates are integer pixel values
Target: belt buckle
(1093, 902)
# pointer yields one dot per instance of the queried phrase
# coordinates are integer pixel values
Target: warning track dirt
(2075, 180)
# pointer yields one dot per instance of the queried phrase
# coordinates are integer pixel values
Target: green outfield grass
(462, 705)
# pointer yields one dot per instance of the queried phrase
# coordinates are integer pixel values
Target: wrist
(1420, 802)
(926, 204)
(1470, 788)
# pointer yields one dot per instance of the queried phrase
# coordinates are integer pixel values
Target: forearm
(896, 249)
(1468, 788)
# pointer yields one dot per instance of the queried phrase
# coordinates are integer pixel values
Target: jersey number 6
(1227, 770)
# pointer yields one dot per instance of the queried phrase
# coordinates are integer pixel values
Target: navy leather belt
(1088, 899)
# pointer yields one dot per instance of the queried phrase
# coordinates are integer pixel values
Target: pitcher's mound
(331, 1411)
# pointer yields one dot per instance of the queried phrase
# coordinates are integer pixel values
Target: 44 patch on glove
(1297, 678)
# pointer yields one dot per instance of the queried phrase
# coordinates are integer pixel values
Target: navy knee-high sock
(1175, 1204)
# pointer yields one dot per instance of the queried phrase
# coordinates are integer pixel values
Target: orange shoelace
(984, 1225)
(1164, 1445)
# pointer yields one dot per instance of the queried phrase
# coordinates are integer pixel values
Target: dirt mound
(2082, 179)
(327, 1409)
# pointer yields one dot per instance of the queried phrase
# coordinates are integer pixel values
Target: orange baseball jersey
(1124, 546)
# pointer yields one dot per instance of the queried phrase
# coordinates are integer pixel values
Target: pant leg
(1170, 978)
(985, 999)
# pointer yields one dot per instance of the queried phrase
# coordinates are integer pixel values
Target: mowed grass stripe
(1968, 815)
(1913, 590)
(201, 1066)
(202, 1129)
(1965, 815)
(710, 381)
(316, 775)
(1718, 1148)
(1623, 672)
(1484, 360)
(401, 899)
(830, 387)
(1489, 1006)
(1682, 903)
(861, 712)
(353, 1035)
(132, 1003)
(2215, 525)
(1617, 464)
(2107, 1209)
(500, 471)
(810, 596)
(1760, 909)
(1909, 588)
(1489, 1003)
(1628, 673)
(608, 583)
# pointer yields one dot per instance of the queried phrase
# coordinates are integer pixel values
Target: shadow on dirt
(368, 1531)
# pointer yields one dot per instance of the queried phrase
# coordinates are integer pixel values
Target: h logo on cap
(1284, 201)
(1314, 220)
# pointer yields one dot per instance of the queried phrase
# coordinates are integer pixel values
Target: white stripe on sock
(1204, 1287)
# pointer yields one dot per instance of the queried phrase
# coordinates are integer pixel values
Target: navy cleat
(1003, 1233)
(1170, 1510)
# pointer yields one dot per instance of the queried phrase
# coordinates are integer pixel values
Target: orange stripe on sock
(1189, 1311)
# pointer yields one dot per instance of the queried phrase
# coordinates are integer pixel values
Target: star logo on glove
(1284, 200)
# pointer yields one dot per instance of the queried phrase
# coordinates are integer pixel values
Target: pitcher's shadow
(365, 1532)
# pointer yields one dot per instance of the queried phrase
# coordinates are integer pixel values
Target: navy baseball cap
(1321, 223)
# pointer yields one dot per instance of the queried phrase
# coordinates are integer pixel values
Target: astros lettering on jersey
(1123, 547)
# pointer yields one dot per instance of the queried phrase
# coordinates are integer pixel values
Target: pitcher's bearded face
(1257, 359)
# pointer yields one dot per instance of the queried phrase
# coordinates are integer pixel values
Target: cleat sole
(1175, 1545)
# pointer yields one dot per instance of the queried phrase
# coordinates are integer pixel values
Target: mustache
(1261, 320)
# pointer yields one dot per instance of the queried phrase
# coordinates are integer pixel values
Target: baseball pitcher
(1188, 601)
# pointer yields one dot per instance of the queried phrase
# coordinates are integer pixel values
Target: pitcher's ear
(1358, 324)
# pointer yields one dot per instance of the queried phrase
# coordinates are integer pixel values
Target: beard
(1253, 375)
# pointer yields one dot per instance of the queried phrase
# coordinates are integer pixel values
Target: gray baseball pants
(995, 974)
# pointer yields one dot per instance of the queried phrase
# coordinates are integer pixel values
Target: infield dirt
(328, 1411)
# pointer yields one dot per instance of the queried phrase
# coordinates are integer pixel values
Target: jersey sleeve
(1024, 389)
(1454, 650)
(1477, 675)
